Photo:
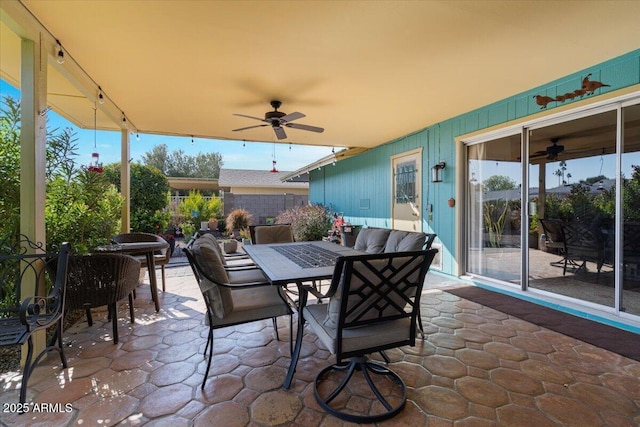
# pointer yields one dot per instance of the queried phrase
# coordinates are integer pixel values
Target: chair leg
(26, 372)
(366, 367)
(275, 327)
(113, 312)
(420, 328)
(89, 317)
(131, 311)
(206, 373)
(163, 279)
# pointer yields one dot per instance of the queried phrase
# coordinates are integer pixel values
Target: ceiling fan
(278, 119)
(551, 151)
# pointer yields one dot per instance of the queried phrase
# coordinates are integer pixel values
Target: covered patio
(476, 367)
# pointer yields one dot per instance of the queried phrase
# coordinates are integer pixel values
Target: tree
(149, 196)
(81, 207)
(498, 183)
(178, 164)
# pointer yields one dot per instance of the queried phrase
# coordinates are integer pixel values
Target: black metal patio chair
(26, 273)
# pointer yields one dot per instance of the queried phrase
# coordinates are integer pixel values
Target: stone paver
(476, 367)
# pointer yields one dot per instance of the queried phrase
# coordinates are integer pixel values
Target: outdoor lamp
(436, 171)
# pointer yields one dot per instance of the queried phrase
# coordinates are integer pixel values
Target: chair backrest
(583, 241)
(96, 280)
(26, 270)
(552, 229)
(374, 289)
(276, 233)
(211, 276)
(142, 237)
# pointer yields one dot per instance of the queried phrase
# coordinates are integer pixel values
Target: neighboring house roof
(256, 178)
(182, 183)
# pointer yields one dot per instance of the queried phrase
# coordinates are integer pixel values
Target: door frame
(392, 160)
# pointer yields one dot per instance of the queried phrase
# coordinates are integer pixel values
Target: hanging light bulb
(289, 146)
(100, 96)
(59, 54)
(137, 136)
(191, 139)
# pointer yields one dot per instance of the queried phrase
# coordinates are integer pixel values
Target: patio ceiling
(368, 72)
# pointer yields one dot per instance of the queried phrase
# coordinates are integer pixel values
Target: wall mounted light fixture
(436, 171)
(60, 53)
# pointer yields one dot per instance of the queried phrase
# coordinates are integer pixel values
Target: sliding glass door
(579, 210)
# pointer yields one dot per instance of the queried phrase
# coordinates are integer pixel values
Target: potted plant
(229, 246)
(238, 219)
(213, 224)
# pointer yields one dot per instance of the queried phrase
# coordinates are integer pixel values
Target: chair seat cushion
(246, 276)
(254, 303)
(354, 339)
(403, 241)
(372, 240)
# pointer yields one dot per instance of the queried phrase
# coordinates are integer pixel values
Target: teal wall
(360, 186)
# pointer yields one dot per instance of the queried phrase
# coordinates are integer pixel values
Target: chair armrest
(33, 311)
(234, 267)
(311, 290)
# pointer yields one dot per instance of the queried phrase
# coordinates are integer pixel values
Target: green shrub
(195, 208)
(149, 196)
(308, 223)
(84, 211)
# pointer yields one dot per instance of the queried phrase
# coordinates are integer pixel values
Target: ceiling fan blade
(249, 117)
(304, 127)
(291, 117)
(249, 127)
(280, 133)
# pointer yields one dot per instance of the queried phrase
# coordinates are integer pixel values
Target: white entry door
(406, 212)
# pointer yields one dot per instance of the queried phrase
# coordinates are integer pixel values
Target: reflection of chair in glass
(554, 238)
(631, 247)
(25, 270)
(582, 244)
(373, 306)
(232, 297)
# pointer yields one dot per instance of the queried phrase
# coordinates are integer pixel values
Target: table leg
(302, 302)
(151, 266)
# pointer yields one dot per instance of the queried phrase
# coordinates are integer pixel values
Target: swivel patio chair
(373, 306)
(582, 243)
(554, 239)
(160, 258)
(26, 270)
(97, 280)
(232, 297)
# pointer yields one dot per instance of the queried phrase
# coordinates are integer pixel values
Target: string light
(100, 96)
(137, 136)
(191, 139)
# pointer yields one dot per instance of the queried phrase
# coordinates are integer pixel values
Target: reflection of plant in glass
(495, 215)
(631, 196)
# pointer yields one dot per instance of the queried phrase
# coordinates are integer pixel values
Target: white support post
(125, 180)
(33, 139)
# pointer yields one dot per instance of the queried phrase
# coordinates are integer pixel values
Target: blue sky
(257, 156)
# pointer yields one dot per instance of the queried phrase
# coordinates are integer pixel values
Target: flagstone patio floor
(477, 367)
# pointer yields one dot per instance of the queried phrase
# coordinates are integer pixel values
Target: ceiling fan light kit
(277, 119)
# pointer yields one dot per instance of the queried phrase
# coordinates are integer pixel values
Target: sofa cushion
(403, 241)
(372, 240)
